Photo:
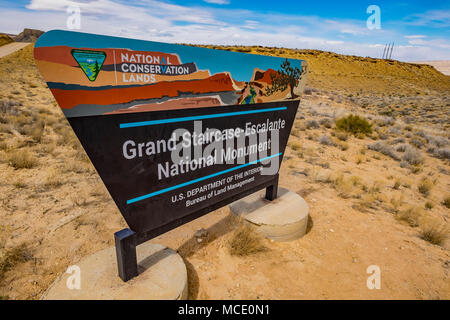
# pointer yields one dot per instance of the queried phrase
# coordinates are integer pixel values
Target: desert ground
(378, 196)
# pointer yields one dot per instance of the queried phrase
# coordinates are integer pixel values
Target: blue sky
(420, 29)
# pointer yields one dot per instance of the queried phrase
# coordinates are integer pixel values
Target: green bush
(354, 124)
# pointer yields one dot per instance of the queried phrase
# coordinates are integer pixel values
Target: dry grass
(411, 216)
(5, 39)
(53, 179)
(434, 232)
(425, 187)
(446, 202)
(13, 257)
(22, 159)
(245, 241)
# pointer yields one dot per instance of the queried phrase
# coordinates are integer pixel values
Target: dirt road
(12, 47)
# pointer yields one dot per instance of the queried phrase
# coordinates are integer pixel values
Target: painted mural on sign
(151, 76)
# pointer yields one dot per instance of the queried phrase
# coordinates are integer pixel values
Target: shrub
(342, 136)
(446, 202)
(326, 140)
(418, 143)
(434, 233)
(411, 216)
(425, 186)
(443, 153)
(12, 257)
(354, 124)
(326, 122)
(245, 241)
(384, 149)
(429, 205)
(312, 124)
(295, 146)
(22, 159)
(401, 148)
(412, 156)
(398, 140)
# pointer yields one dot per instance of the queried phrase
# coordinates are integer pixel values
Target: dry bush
(397, 203)
(245, 241)
(412, 156)
(19, 183)
(434, 232)
(398, 140)
(443, 153)
(411, 216)
(384, 149)
(312, 124)
(13, 257)
(401, 148)
(53, 178)
(417, 142)
(326, 140)
(425, 187)
(326, 122)
(343, 146)
(74, 166)
(22, 159)
(295, 146)
(446, 202)
(429, 205)
(342, 135)
(4, 145)
(80, 199)
(354, 124)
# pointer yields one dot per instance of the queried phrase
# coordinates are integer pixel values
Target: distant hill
(352, 75)
(28, 35)
(441, 65)
(5, 39)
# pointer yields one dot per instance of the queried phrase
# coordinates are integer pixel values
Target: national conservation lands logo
(89, 61)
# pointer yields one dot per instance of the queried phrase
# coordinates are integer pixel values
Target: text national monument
(174, 131)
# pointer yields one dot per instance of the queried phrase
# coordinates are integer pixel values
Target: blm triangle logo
(89, 61)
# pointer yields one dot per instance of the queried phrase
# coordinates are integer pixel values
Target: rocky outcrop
(28, 35)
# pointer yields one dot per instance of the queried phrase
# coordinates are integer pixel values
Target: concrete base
(284, 219)
(162, 276)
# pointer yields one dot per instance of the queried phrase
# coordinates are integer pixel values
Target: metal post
(272, 191)
(126, 254)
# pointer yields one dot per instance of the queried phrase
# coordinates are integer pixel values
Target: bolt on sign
(173, 131)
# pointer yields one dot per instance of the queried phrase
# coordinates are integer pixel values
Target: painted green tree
(96, 69)
(287, 76)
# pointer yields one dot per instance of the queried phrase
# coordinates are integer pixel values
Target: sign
(173, 131)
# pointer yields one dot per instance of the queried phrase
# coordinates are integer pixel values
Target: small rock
(355, 260)
(331, 230)
(202, 233)
(199, 240)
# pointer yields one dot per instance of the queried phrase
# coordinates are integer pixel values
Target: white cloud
(218, 1)
(416, 36)
(431, 18)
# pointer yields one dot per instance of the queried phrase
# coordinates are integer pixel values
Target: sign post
(174, 131)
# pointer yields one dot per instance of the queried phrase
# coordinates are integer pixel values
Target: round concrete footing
(162, 276)
(284, 219)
